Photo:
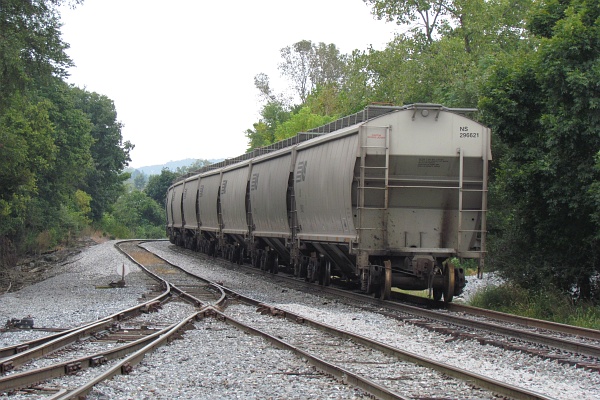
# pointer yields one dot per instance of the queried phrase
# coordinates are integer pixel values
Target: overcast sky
(181, 73)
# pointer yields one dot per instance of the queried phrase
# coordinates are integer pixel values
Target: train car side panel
(233, 200)
(169, 206)
(176, 205)
(190, 193)
(268, 189)
(208, 192)
(323, 189)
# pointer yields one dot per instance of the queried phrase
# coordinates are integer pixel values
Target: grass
(547, 305)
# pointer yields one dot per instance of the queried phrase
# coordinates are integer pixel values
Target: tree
(544, 108)
(27, 150)
(139, 180)
(301, 121)
(157, 185)
(192, 168)
(427, 14)
(308, 65)
(110, 154)
(273, 114)
(296, 66)
(141, 215)
(31, 50)
(41, 135)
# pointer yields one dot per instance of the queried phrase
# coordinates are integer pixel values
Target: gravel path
(207, 359)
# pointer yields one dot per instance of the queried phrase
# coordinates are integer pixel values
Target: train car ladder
(484, 189)
(362, 187)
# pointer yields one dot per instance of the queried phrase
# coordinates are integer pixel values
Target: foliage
(308, 65)
(59, 146)
(301, 121)
(273, 114)
(140, 179)
(544, 108)
(32, 52)
(192, 168)
(541, 304)
(27, 150)
(429, 14)
(137, 215)
(157, 185)
(110, 154)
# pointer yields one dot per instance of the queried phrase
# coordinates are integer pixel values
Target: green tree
(140, 214)
(195, 166)
(273, 114)
(308, 65)
(110, 154)
(157, 185)
(27, 150)
(544, 108)
(425, 14)
(139, 180)
(42, 137)
(301, 121)
(31, 50)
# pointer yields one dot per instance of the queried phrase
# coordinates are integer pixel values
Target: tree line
(530, 66)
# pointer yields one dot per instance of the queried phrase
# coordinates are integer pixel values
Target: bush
(550, 305)
(114, 228)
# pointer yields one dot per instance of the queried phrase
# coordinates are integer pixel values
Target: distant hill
(171, 165)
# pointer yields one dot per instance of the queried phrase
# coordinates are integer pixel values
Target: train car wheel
(374, 280)
(448, 283)
(386, 285)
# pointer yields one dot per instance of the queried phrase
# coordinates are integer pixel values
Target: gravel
(205, 363)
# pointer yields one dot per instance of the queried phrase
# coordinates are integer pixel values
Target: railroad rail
(429, 314)
(107, 328)
(212, 304)
(360, 381)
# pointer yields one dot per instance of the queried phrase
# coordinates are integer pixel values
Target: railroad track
(565, 344)
(127, 326)
(353, 358)
(369, 384)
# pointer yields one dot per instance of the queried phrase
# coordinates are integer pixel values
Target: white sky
(181, 72)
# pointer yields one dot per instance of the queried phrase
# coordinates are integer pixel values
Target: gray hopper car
(380, 199)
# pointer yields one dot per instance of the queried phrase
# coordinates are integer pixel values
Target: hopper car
(385, 198)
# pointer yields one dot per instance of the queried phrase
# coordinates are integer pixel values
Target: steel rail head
(341, 373)
(126, 365)
(220, 302)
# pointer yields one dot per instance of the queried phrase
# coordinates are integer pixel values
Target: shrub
(550, 305)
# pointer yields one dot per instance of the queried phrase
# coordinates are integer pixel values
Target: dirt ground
(36, 268)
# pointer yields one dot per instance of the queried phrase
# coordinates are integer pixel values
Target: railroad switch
(25, 323)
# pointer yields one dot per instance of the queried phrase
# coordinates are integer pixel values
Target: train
(389, 197)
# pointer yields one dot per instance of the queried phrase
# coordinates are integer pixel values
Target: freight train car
(379, 199)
